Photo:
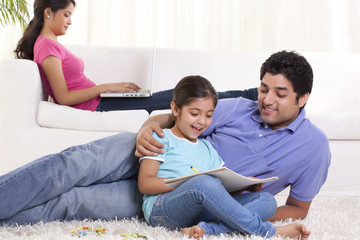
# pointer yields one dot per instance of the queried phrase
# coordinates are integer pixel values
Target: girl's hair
(25, 47)
(191, 87)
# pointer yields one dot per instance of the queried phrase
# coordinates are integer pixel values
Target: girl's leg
(161, 100)
(106, 160)
(262, 204)
(100, 201)
(179, 208)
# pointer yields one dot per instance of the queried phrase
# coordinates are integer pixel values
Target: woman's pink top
(72, 66)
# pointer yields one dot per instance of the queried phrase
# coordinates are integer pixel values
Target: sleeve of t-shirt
(48, 48)
(161, 156)
(308, 185)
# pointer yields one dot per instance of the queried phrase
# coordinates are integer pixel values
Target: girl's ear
(174, 109)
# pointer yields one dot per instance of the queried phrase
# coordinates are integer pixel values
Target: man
(267, 138)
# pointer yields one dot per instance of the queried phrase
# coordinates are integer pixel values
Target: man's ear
(174, 109)
(303, 99)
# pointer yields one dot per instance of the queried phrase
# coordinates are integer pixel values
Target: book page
(231, 180)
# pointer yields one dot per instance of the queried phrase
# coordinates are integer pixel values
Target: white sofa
(31, 127)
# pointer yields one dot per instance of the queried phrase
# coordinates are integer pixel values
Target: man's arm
(146, 144)
(293, 208)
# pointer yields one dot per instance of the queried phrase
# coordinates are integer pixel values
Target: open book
(231, 180)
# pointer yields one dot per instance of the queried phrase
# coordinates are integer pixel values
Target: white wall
(231, 25)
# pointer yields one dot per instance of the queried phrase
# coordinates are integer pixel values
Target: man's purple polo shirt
(298, 154)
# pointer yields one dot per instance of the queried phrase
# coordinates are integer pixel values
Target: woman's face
(61, 20)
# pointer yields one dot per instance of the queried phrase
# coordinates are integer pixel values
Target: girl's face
(61, 20)
(193, 119)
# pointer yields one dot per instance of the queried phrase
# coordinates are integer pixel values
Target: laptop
(141, 92)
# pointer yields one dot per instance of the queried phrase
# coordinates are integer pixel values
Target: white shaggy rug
(329, 218)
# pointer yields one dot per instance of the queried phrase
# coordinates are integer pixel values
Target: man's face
(277, 101)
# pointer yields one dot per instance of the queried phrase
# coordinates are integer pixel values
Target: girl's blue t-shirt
(180, 154)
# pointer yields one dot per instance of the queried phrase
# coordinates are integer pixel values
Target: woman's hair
(192, 87)
(25, 47)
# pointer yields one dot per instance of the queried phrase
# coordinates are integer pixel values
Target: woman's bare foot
(193, 232)
(294, 230)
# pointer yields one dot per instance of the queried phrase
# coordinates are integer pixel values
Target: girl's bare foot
(193, 232)
(294, 230)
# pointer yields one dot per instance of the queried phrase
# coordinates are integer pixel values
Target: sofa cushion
(52, 115)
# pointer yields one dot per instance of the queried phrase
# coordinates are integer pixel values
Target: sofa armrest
(20, 92)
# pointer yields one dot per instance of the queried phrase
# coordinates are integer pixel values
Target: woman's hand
(52, 67)
(119, 87)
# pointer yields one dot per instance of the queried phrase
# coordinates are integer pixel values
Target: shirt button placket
(266, 127)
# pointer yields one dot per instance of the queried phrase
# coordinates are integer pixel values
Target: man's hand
(146, 145)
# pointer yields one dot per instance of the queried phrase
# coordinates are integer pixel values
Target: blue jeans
(94, 180)
(203, 201)
(161, 100)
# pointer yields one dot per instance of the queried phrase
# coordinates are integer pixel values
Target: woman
(63, 75)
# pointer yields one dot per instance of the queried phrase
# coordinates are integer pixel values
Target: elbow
(141, 188)
(64, 101)
(61, 100)
(303, 215)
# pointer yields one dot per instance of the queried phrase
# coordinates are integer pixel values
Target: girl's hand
(252, 188)
(255, 187)
(121, 87)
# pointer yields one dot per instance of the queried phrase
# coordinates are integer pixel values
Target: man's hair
(294, 67)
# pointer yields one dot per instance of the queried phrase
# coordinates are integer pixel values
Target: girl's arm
(53, 69)
(148, 182)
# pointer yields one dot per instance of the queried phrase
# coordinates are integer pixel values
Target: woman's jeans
(161, 100)
(203, 201)
(94, 180)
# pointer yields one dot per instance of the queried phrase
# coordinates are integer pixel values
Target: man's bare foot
(193, 232)
(294, 230)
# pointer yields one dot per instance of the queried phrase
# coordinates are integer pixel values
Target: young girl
(63, 75)
(200, 205)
